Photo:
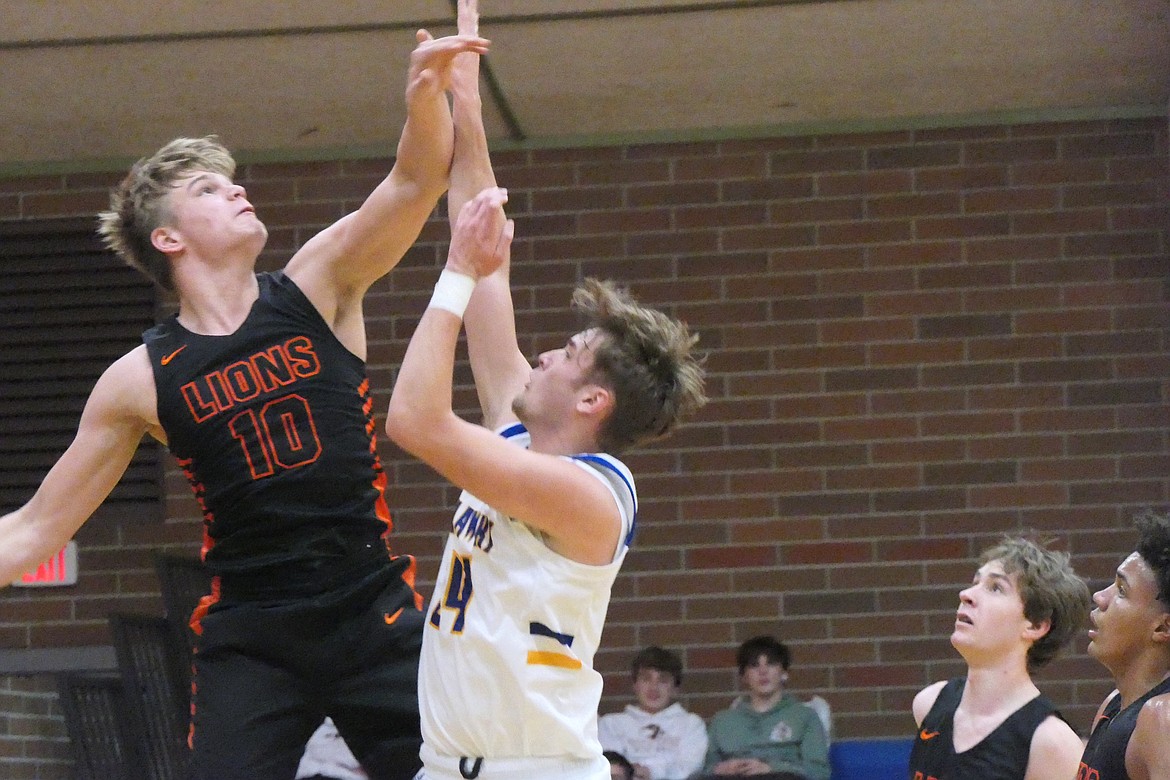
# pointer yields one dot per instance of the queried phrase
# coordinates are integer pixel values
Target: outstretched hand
(432, 60)
(482, 236)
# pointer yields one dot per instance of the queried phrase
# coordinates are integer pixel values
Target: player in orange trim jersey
(1130, 738)
(1024, 605)
(258, 387)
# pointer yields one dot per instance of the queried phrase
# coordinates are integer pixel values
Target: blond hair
(138, 203)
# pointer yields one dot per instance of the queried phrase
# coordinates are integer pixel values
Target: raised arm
(338, 265)
(544, 491)
(112, 425)
(471, 165)
(497, 364)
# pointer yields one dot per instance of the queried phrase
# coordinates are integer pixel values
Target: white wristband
(452, 292)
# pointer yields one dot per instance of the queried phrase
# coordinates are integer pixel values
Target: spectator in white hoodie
(660, 738)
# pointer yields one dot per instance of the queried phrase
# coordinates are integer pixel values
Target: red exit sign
(61, 569)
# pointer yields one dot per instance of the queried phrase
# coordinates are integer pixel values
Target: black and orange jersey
(1104, 756)
(1001, 755)
(273, 427)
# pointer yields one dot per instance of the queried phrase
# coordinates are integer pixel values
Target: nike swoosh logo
(391, 618)
(168, 358)
(925, 735)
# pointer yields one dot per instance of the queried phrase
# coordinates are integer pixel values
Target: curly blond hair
(138, 203)
(646, 359)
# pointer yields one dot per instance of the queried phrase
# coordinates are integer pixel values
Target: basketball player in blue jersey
(1024, 605)
(258, 387)
(1130, 635)
(507, 687)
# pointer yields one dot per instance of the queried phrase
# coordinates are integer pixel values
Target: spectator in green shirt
(767, 733)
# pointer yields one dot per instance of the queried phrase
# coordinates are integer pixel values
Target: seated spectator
(767, 734)
(659, 737)
(619, 766)
(327, 757)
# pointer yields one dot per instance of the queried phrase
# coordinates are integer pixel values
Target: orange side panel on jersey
(197, 488)
(204, 606)
(196, 624)
(408, 578)
(381, 508)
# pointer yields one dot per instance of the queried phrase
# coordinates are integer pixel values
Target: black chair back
(155, 676)
(100, 732)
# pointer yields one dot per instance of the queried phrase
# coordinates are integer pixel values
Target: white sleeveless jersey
(507, 658)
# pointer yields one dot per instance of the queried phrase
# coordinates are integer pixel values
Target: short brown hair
(137, 204)
(646, 359)
(1050, 591)
(660, 660)
(768, 647)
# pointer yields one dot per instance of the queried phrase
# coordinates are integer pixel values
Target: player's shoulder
(131, 372)
(1156, 713)
(1055, 751)
(126, 390)
(612, 470)
(925, 699)
(1148, 754)
(1055, 734)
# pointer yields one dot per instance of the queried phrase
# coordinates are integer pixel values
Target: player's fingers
(498, 196)
(505, 244)
(457, 43)
(491, 197)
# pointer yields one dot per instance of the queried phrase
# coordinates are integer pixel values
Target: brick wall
(33, 745)
(918, 340)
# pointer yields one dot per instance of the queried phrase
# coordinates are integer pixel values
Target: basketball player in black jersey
(258, 387)
(1130, 635)
(1023, 606)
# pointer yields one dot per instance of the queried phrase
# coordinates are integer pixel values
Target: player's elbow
(398, 427)
(425, 168)
(409, 424)
(27, 543)
(420, 429)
